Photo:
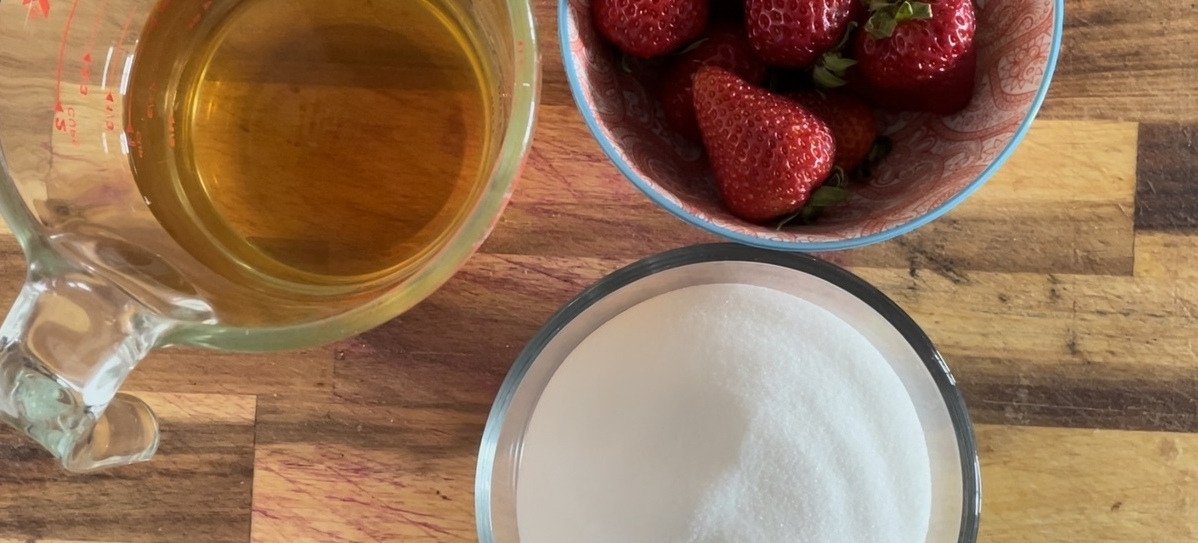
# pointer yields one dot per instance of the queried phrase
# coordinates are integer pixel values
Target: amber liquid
(308, 142)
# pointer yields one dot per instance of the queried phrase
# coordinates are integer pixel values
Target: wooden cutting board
(1062, 294)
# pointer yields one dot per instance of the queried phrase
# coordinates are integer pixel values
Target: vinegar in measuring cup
(308, 141)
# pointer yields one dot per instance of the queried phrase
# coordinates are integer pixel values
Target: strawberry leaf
(888, 14)
(624, 66)
(848, 33)
(912, 11)
(837, 178)
(828, 196)
(881, 148)
(829, 70)
(921, 10)
(834, 191)
(880, 25)
(878, 152)
(694, 45)
(826, 78)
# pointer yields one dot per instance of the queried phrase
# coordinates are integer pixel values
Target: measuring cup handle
(68, 343)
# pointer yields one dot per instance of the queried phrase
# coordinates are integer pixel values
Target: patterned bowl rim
(563, 18)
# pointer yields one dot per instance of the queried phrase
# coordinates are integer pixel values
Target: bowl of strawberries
(809, 125)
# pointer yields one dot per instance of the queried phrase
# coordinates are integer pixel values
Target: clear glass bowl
(956, 479)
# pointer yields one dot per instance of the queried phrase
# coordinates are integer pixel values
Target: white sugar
(724, 413)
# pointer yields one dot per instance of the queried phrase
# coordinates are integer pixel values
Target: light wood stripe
(201, 408)
(1059, 485)
(1164, 255)
(205, 371)
(331, 493)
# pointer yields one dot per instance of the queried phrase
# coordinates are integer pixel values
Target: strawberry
(793, 33)
(917, 56)
(768, 153)
(650, 28)
(725, 46)
(852, 123)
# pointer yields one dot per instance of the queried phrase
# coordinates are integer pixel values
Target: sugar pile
(724, 413)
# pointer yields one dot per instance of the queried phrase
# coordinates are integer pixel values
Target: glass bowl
(941, 410)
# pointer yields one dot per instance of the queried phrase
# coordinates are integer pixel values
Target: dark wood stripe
(1084, 239)
(1126, 64)
(555, 89)
(1167, 177)
(457, 345)
(1164, 399)
(197, 489)
(1100, 243)
(419, 432)
(627, 229)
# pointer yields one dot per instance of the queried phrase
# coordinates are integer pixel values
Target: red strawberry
(918, 56)
(725, 46)
(851, 121)
(650, 28)
(768, 153)
(793, 33)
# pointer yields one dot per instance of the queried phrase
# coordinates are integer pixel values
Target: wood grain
(1062, 203)
(1056, 485)
(198, 489)
(1167, 159)
(52, 541)
(1062, 295)
(1163, 255)
(1128, 65)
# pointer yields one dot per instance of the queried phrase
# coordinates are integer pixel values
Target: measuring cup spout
(65, 348)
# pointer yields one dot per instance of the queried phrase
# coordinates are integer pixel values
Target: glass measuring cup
(107, 282)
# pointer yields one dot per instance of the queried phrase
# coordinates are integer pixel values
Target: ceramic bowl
(937, 161)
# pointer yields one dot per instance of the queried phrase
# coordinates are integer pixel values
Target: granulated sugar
(724, 413)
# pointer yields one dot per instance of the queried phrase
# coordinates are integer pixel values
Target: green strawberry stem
(887, 14)
(878, 152)
(624, 66)
(694, 45)
(829, 70)
(832, 192)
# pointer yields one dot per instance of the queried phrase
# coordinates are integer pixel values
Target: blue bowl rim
(954, 400)
(626, 169)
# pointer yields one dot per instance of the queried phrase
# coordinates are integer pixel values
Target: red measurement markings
(91, 38)
(153, 95)
(110, 112)
(66, 123)
(162, 5)
(85, 73)
(37, 8)
(133, 138)
(170, 123)
(195, 19)
(62, 51)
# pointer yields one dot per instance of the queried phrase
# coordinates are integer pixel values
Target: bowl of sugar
(724, 393)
